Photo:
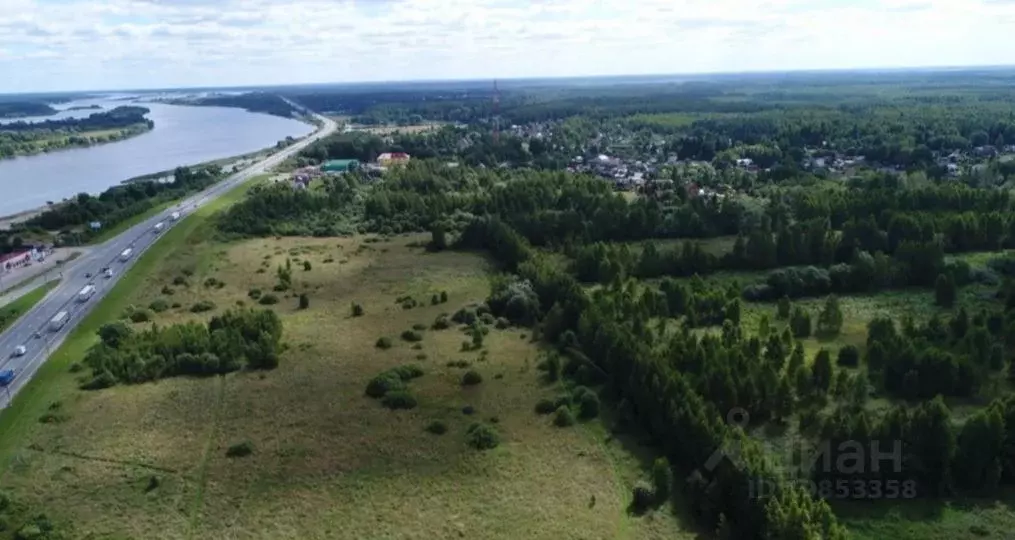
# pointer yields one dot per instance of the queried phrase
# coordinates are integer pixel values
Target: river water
(182, 136)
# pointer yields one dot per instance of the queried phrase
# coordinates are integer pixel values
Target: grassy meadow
(149, 461)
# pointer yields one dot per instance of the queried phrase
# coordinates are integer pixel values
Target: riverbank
(58, 141)
(229, 165)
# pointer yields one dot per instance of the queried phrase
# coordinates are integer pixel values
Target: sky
(64, 45)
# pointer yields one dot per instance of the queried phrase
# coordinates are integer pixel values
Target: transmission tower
(496, 112)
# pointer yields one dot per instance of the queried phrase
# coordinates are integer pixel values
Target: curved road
(138, 238)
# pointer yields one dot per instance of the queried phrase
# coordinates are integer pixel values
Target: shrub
(306, 266)
(242, 449)
(641, 497)
(383, 343)
(384, 383)
(468, 410)
(202, 306)
(434, 300)
(502, 323)
(180, 281)
(482, 437)
(551, 365)
(254, 294)
(304, 301)
(177, 305)
(417, 346)
(412, 336)
(211, 282)
(408, 371)
(848, 356)
(357, 310)
(52, 418)
(140, 316)
(545, 406)
(487, 318)
(441, 322)
(459, 364)
(471, 377)
(662, 478)
(464, 316)
(437, 427)
(421, 356)
(563, 417)
(588, 405)
(268, 299)
(409, 304)
(419, 326)
(279, 287)
(398, 399)
(159, 305)
(167, 290)
(444, 296)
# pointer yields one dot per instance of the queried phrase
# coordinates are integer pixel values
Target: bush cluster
(482, 437)
(202, 306)
(393, 382)
(268, 299)
(229, 342)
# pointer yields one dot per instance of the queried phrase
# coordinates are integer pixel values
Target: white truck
(126, 254)
(158, 227)
(174, 216)
(58, 321)
(108, 272)
(86, 293)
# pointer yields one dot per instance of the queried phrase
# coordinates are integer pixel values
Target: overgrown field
(150, 461)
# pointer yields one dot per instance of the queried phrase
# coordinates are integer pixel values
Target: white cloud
(90, 44)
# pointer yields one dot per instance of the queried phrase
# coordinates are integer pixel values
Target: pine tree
(800, 323)
(944, 291)
(830, 319)
(784, 308)
(821, 371)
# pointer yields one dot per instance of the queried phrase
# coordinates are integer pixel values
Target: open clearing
(328, 461)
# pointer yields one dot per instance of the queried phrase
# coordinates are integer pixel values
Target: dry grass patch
(328, 461)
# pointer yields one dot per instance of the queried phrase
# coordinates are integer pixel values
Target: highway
(87, 271)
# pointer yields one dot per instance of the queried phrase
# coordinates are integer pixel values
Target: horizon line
(688, 75)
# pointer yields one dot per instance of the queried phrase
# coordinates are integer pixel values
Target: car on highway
(6, 377)
(38, 335)
(88, 275)
(20, 350)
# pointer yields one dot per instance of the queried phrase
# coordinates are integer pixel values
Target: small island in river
(92, 107)
(27, 138)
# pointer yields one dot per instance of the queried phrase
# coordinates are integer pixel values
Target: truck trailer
(126, 254)
(58, 321)
(158, 227)
(86, 293)
(174, 216)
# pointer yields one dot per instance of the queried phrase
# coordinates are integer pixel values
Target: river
(182, 136)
